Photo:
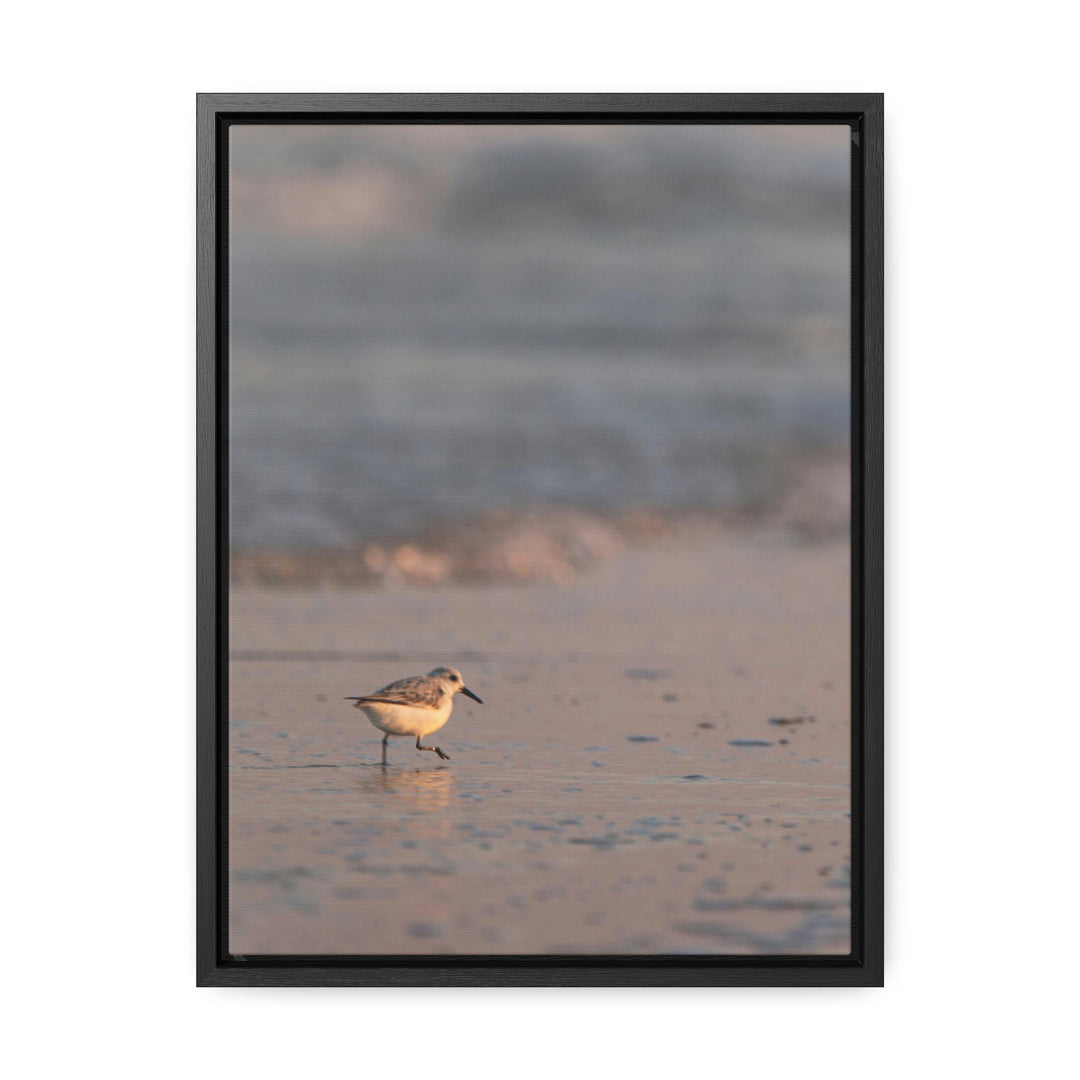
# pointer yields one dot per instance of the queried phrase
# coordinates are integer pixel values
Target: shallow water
(542, 848)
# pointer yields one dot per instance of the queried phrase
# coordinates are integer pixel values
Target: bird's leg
(433, 749)
(385, 739)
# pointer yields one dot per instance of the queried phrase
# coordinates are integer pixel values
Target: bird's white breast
(406, 719)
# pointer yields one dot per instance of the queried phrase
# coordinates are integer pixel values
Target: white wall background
(98, 444)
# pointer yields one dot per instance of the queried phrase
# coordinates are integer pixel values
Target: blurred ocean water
(428, 325)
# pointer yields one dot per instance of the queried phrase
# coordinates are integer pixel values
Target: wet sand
(625, 788)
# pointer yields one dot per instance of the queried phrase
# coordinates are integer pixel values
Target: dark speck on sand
(749, 742)
(643, 738)
(424, 930)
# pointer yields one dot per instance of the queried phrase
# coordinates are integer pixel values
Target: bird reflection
(416, 797)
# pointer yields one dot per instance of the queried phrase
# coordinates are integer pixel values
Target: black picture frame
(864, 113)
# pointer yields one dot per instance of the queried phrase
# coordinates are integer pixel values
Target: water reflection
(414, 796)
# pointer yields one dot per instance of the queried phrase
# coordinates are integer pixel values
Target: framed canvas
(540, 539)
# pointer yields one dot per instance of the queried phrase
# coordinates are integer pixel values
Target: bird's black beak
(468, 693)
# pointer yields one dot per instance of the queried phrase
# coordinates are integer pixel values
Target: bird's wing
(417, 690)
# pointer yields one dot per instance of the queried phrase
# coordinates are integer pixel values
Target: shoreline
(554, 544)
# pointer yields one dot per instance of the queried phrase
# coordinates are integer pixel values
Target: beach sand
(625, 788)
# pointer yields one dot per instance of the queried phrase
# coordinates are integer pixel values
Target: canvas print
(539, 519)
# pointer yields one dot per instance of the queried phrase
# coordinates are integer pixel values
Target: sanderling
(415, 706)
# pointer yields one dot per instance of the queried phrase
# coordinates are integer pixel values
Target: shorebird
(416, 706)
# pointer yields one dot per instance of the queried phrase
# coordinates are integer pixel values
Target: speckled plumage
(415, 690)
